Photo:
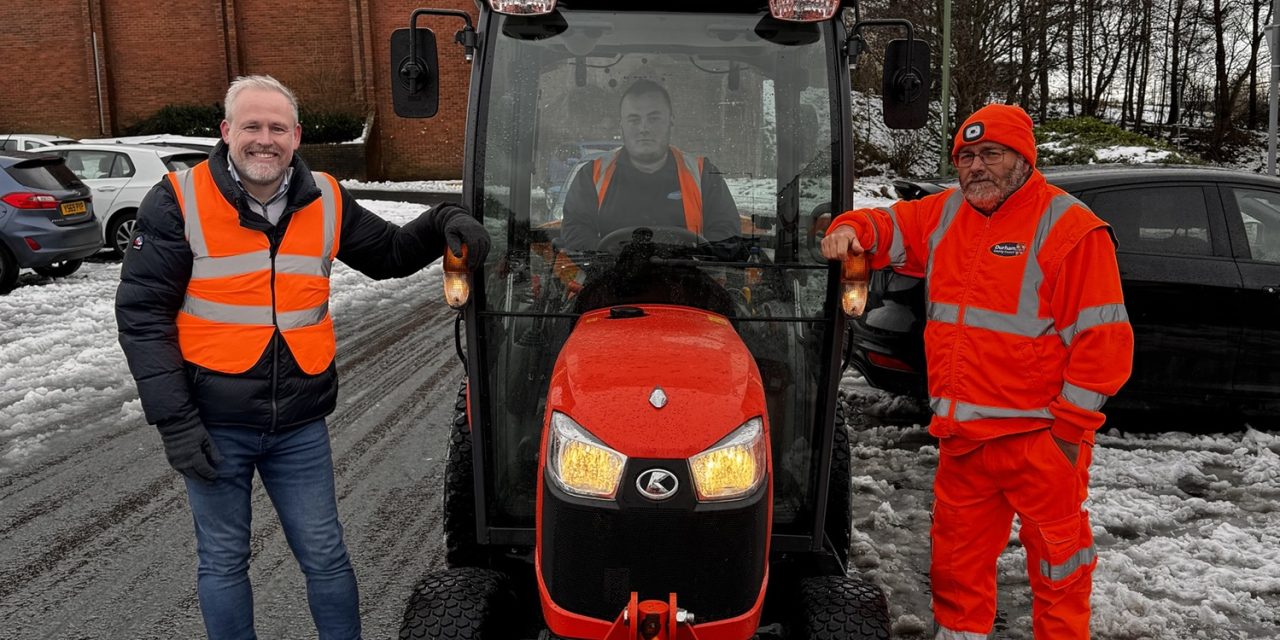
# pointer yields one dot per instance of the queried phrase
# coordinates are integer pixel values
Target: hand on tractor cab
(460, 229)
(840, 243)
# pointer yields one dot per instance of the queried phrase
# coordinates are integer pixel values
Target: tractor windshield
(627, 157)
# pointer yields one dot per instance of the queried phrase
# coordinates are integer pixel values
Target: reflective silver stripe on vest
(1026, 321)
(1081, 558)
(304, 318)
(966, 411)
(943, 312)
(940, 406)
(690, 164)
(206, 266)
(329, 209)
(949, 210)
(897, 246)
(1091, 317)
(226, 313)
(303, 265)
(605, 165)
(191, 213)
(1083, 398)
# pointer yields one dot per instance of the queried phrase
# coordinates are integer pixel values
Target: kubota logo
(1009, 249)
(657, 484)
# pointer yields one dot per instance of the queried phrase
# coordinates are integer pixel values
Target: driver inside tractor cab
(650, 183)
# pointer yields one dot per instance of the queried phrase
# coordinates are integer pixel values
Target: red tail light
(23, 200)
(889, 362)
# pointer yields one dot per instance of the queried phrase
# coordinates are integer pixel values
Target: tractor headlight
(733, 467)
(579, 462)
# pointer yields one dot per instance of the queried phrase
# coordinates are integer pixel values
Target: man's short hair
(257, 82)
(645, 87)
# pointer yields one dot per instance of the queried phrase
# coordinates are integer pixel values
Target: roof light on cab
(803, 10)
(523, 7)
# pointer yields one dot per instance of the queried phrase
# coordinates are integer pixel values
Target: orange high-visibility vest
(689, 170)
(1000, 359)
(239, 295)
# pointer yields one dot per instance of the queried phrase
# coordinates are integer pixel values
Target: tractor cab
(648, 443)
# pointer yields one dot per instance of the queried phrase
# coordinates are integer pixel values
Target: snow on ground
(60, 353)
(1188, 525)
(434, 186)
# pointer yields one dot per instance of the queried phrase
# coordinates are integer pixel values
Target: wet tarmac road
(97, 538)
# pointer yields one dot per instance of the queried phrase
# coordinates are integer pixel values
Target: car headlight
(733, 467)
(579, 462)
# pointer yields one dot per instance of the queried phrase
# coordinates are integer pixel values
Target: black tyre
(461, 548)
(59, 269)
(8, 271)
(839, 522)
(120, 231)
(841, 608)
(467, 603)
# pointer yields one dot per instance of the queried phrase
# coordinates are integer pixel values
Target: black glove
(190, 450)
(459, 228)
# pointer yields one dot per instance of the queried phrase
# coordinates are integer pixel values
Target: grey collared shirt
(274, 207)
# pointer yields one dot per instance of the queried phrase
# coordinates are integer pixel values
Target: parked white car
(30, 141)
(196, 143)
(120, 175)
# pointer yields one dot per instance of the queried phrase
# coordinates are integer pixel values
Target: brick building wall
(420, 149)
(335, 54)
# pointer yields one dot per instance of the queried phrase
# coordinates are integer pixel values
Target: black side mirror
(906, 84)
(415, 73)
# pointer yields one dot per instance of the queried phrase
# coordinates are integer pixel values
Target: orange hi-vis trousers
(976, 495)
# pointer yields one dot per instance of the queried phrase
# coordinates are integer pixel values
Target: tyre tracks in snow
(96, 538)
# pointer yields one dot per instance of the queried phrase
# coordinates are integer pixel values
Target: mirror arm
(856, 32)
(466, 36)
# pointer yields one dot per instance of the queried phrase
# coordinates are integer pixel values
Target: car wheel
(8, 271)
(120, 231)
(59, 269)
(466, 604)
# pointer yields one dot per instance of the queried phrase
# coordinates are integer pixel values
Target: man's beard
(988, 192)
(260, 171)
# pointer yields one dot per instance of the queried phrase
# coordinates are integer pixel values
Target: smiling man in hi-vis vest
(223, 311)
(1026, 338)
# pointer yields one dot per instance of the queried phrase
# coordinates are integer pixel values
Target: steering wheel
(615, 240)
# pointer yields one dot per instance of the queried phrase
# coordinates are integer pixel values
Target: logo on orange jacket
(1009, 249)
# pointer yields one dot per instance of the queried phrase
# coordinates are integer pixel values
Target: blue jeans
(296, 468)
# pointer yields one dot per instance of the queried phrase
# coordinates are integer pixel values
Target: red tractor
(648, 442)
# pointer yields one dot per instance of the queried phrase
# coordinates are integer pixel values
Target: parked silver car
(30, 141)
(46, 218)
(120, 176)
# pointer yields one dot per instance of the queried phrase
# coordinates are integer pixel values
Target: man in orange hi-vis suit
(1026, 338)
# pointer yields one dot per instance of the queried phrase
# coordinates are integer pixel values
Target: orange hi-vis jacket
(1026, 323)
(240, 295)
(688, 168)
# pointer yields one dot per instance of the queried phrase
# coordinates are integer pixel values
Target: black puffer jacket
(275, 393)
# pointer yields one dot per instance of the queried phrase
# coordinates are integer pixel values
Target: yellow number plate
(72, 208)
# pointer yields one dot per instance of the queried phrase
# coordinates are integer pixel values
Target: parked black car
(46, 217)
(1199, 253)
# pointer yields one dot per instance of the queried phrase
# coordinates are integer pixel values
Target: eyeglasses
(989, 157)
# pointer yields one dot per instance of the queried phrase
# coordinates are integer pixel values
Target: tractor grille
(595, 553)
